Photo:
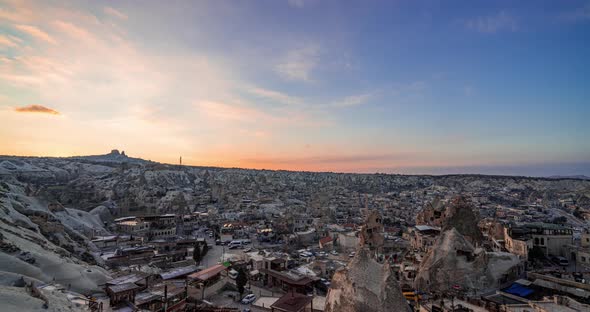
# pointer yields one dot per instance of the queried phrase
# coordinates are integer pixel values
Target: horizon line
(577, 176)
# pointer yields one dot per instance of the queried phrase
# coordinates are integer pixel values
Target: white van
(235, 244)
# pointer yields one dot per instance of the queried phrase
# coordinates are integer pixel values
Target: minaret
(181, 160)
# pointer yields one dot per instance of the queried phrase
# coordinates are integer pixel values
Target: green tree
(197, 254)
(241, 281)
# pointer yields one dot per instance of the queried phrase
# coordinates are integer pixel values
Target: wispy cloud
(115, 13)
(238, 113)
(128, 81)
(353, 100)
(579, 14)
(36, 109)
(493, 23)
(298, 3)
(299, 63)
(36, 33)
(134, 91)
(274, 95)
(227, 112)
(74, 31)
(9, 41)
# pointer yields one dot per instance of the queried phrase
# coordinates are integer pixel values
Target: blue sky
(361, 86)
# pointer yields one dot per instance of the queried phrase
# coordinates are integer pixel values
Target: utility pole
(165, 297)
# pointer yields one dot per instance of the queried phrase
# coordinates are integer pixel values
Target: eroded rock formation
(459, 213)
(453, 263)
(365, 285)
(371, 235)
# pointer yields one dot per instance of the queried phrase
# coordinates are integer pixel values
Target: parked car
(560, 261)
(306, 254)
(351, 255)
(334, 252)
(249, 299)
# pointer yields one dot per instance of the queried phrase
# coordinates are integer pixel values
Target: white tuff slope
(27, 251)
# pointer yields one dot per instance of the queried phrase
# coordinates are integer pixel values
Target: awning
(518, 290)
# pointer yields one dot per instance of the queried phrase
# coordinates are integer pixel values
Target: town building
(551, 239)
(293, 302)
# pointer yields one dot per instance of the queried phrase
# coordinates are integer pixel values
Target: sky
(427, 87)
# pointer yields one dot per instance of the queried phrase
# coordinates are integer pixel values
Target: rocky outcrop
(371, 234)
(462, 216)
(453, 262)
(459, 214)
(103, 213)
(365, 285)
(431, 214)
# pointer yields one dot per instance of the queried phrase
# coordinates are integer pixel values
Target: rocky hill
(50, 206)
(133, 186)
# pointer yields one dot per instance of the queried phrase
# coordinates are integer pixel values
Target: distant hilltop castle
(115, 152)
(113, 157)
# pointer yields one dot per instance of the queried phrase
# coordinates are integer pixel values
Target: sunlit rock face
(453, 262)
(365, 285)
